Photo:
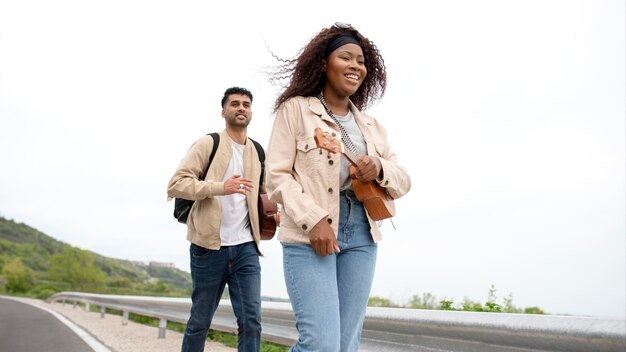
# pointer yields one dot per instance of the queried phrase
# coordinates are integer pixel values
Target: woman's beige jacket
(305, 180)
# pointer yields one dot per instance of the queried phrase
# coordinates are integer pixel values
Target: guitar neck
(353, 158)
(331, 143)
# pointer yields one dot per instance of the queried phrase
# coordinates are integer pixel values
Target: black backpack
(183, 206)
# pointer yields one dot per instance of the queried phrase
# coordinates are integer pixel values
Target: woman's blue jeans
(238, 266)
(329, 294)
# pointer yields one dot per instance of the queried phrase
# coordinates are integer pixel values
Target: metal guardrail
(399, 329)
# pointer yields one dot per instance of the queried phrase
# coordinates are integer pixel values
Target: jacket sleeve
(396, 179)
(282, 183)
(186, 183)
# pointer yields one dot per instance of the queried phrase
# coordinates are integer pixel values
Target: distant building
(138, 262)
(152, 264)
(162, 265)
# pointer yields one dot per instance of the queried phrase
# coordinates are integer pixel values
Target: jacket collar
(318, 109)
(315, 105)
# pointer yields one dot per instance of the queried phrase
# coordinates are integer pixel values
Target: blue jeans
(329, 294)
(238, 266)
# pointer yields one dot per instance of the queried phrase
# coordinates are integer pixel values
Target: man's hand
(322, 238)
(237, 184)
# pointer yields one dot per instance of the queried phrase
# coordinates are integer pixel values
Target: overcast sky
(509, 116)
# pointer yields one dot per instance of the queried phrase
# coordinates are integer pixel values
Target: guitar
(378, 203)
(267, 224)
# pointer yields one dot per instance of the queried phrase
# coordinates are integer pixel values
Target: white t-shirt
(235, 226)
(349, 124)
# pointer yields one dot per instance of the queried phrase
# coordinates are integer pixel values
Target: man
(223, 225)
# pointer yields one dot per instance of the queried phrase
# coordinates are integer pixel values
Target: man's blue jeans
(238, 266)
(329, 294)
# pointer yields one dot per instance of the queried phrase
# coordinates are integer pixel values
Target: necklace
(344, 135)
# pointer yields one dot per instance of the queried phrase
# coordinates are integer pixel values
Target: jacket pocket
(308, 153)
(310, 162)
(202, 219)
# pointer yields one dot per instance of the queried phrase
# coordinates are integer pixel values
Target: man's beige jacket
(203, 224)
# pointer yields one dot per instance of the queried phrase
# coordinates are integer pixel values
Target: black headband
(339, 41)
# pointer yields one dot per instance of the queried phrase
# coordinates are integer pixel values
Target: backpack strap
(261, 153)
(216, 142)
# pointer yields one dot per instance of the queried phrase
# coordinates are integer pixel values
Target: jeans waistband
(347, 193)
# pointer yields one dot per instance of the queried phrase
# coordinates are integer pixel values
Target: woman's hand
(277, 217)
(322, 238)
(368, 169)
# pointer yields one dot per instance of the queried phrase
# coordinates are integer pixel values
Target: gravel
(133, 337)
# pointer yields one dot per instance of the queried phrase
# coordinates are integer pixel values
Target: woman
(329, 239)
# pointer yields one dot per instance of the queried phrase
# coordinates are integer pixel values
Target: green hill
(36, 264)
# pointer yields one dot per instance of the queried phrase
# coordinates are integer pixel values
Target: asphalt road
(24, 328)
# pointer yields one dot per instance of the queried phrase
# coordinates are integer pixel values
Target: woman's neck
(338, 105)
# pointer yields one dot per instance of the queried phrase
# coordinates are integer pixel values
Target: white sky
(509, 116)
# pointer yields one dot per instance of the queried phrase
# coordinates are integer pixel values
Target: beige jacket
(203, 224)
(306, 181)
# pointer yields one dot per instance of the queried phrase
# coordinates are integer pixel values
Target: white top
(235, 226)
(352, 129)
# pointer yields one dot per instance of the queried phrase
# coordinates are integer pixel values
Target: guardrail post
(74, 304)
(87, 307)
(125, 318)
(102, 311)
(162, 328)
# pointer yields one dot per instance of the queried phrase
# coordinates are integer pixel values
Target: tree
(446, 304)
(19, 277)
(379, 302)
(425, 301)
(533, 310)
(158, 286)
(508, 305)
(471, 306)
(491, 305)
(77, 268)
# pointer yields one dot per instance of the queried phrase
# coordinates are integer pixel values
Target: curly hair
(307, 78)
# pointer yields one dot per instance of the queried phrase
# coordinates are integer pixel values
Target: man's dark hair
(235, 90)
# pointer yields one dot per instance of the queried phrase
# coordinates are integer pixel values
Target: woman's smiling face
(345, 69)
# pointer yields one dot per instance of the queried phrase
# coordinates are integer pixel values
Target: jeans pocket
(198, 251)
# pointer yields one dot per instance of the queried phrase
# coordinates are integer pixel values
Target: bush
(19, 277)
(533, 310)
(43, 293)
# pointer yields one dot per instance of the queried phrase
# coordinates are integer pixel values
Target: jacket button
(306, 147)
(329, 220)
(331, 162)
(330, 190)
(304, 227)
(386, 182)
